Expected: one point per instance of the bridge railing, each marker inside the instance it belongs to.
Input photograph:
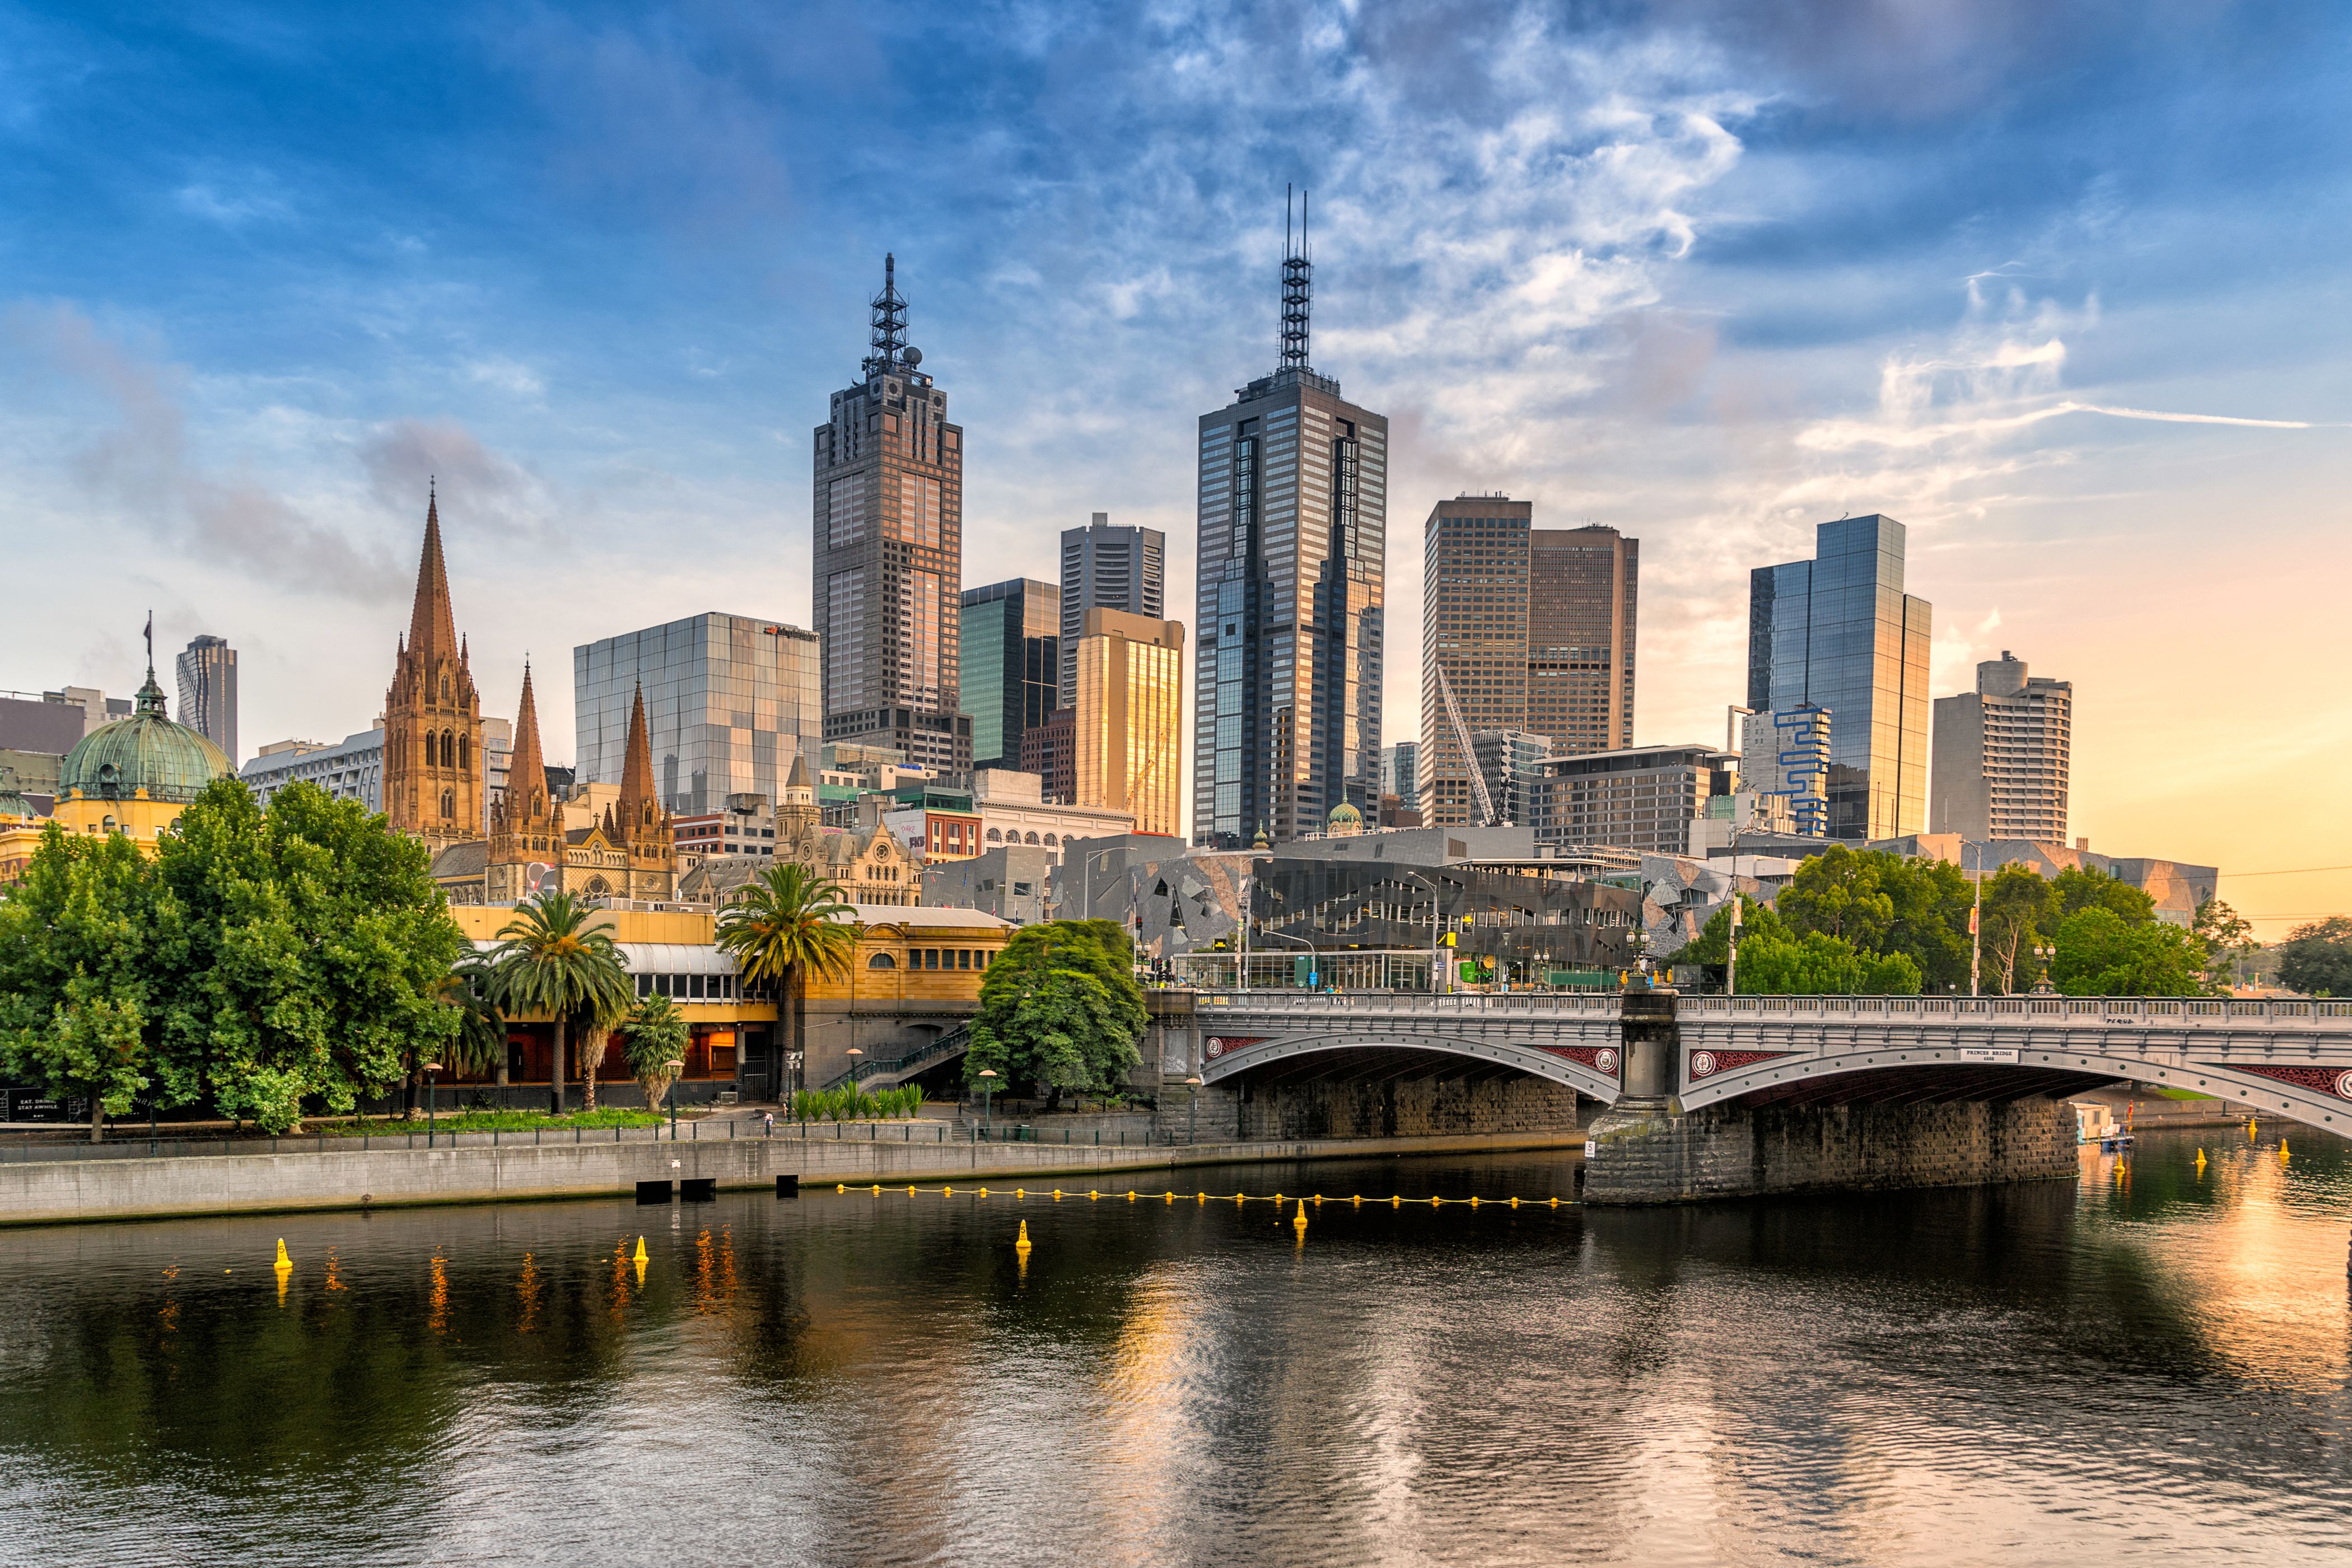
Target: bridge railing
(1419, 1003)
(2161, 1011)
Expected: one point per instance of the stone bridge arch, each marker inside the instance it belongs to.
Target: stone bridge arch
(1591, 1070)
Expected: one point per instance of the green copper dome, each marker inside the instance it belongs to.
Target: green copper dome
(147, 750)
(13, 806)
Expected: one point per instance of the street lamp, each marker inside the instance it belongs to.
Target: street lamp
(2043, 955)
(430, 1070)
(1193, 1122)
(987, 1099)
(1285, 936)
(674, 1068)
(1436, 900)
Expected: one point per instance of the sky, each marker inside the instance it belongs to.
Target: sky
(2060, 287)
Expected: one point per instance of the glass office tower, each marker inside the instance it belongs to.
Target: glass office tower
(730, 701)
(1011, 666)
(1840, 632)
(1292, 569)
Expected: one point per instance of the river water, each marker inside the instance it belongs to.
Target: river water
(2149, 1367)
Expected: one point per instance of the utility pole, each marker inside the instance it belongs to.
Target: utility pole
(1976, 920)
(1732, 969)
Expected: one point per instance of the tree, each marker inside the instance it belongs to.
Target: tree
(1776, 961)
(75, 1013)
(1837, 892)
(1882, 903)
(551, 960)
(1060, 1009)
(297, 956)
(2081, 888)
(784, 927)
(2020, 908)
(471, 991)
(652, 1037)
(2227, 935)
(2317, 958)
(2101, 953)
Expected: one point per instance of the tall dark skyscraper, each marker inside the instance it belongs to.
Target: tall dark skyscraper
(888, 530)
(1293, 554)
(1839, 632)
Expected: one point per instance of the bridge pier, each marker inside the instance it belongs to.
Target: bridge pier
(1647, 1149)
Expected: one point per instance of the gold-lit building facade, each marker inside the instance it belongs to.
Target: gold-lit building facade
(1127, 735)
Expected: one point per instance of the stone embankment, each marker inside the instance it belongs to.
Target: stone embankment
(65, 1192)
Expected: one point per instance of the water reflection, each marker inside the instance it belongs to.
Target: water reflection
(2147, 1365)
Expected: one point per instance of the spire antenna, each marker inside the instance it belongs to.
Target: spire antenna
(1297, 287)
(889, 321)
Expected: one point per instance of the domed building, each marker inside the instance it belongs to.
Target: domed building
(1345, 822)
(137, 774)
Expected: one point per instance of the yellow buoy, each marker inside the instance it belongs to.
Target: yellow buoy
(1171, 1196)
(1131, 1195)
(1021, 1192)
(1396, 1202)
(1300, 1222)
(1057, 1191)
(877, 1187)
(1555, 1201)
(840, 1187)
(283, 1261)
(1240, 1198)
(1021, 1243)
(949, 1191)
(1201, 1198)
(1514, 1203)
(910, 1191)
(1092, 1192)
(639, 1255)
(2282, 1154)
(1473, 1200)
(983, 1192)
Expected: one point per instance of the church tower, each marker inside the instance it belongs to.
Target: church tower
(527, 825)
(432, 785)
(796, 816)
(641, 824)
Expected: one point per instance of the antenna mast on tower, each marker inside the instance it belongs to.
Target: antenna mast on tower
(890, 321)
(1297, 285)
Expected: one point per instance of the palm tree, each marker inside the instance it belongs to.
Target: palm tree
(652, 1037)
(787, 924)
(471, 989)
(552, 961)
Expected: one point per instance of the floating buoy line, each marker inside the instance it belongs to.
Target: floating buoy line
(1168, 1195)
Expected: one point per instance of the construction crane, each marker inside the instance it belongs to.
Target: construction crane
(1487, 816)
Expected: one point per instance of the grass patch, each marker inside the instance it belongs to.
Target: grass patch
(492, 1122)
(2185, 1094)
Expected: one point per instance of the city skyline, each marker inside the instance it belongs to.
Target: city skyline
(1686, 356)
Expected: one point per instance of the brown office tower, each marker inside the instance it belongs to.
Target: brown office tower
(1534, 630)
(888, 532)
(432, 717)
(1581, 602)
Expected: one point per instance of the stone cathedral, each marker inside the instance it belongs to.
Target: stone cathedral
(436, 782)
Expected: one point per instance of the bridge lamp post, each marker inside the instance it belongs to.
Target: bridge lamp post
(1192, 1121)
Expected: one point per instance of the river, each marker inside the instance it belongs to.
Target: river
(2149, 1367)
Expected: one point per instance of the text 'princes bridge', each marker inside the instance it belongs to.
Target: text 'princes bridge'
(1718, 1096)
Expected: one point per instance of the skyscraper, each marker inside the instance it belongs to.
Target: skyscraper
(1292, 553)
(888, 534)
(730, 701)
(1534, 628)
(1128, 718)
(1839, 631)
(1011, 681)
(1582, 599)
(2002, 755)
(1107, 568)
(208, 691)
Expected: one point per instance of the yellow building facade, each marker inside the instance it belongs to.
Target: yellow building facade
(1128, 739)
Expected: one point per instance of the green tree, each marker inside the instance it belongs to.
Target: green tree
(1882, 903)
(552, 960)
(2081, 888)
(2227, 935)
(471, 991)
(1837, 893)
(75, 1010)
(2317, 958)
(1060, 1009)
(2101, 953)
(652, 1037)
(295, 955)
(1776, 961)
(2020, 910)
(784, 927)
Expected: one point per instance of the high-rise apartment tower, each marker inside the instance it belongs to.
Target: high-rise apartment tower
(1107, 568)
(888, 530)
(208, 692)
(2002, 753)
(1292, 570)
(1840, 632)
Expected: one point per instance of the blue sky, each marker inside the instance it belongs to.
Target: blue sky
(1709, 272)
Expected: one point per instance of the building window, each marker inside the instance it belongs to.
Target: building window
(882, 961)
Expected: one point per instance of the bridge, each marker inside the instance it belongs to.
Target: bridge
(1764, 1093)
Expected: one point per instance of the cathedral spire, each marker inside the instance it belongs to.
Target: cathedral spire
(432, 624)
(637, 768)
(527, 771)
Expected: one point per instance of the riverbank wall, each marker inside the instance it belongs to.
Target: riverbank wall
(69, 1191)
